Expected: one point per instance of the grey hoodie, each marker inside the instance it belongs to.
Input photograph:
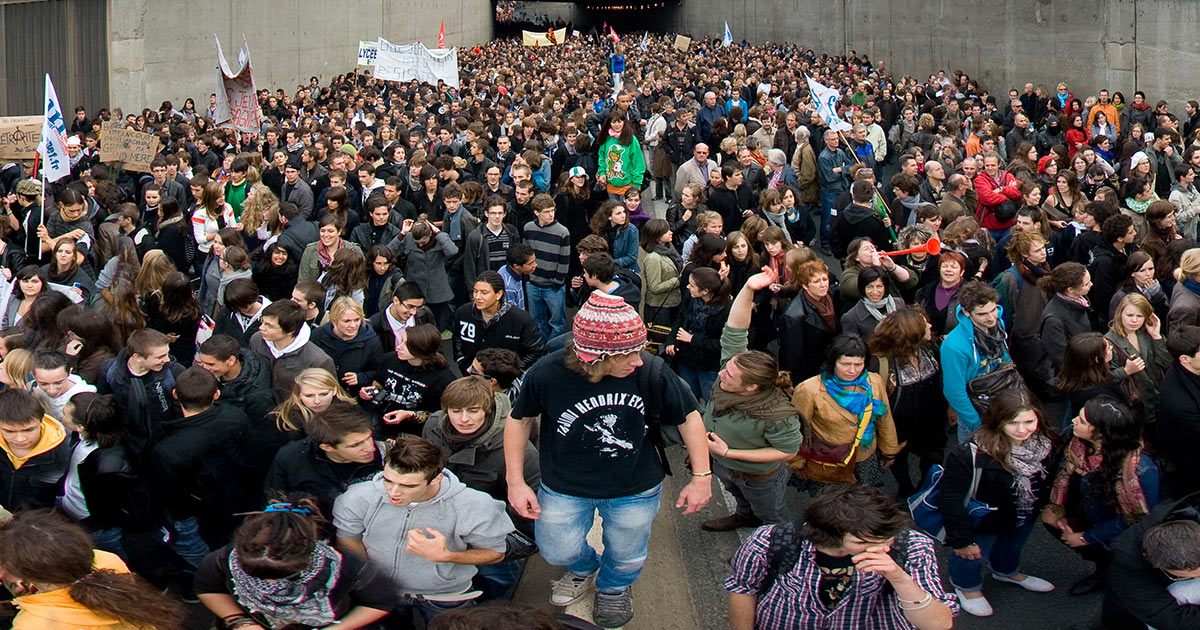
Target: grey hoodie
(468, 518)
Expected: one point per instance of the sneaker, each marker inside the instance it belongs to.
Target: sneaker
(1030, 583)
(571, 588)
(977, 606)
(613, 610)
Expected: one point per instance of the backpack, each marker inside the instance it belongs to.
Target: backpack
(660, 436)
(783, 552)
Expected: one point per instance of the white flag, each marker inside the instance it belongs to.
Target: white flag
(826, 100)
(56, 163)
(728, 39)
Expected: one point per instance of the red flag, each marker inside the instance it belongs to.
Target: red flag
(442, 35)
(612, 32)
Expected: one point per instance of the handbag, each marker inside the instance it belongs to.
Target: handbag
(983, 388)
(826, 452)
(924, 504)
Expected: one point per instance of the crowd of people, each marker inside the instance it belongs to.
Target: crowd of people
(355, 368)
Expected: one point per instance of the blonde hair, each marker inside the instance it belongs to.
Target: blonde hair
(316, 378)
(343, 304)
(156, 266)
(18, 365)
(1136, 300)
(255, 209)
(1189, 265)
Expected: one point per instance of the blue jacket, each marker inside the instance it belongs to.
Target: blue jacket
(962, 362)
(625, 248)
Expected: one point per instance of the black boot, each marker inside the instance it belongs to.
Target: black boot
(1091, 584)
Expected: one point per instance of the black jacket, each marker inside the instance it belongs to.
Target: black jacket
(302, 466)
(1177, 431)
(1061, 320)
(297, 235)
(190, 468)
(229, 325)
(857, 221)
(704, 350)
(38, 481)
(114, 492)
(730, 204)
(995, 489)
(803, 337)
(250, 390)
(509, 328)
(1137, 592)
(360, 355)
(1107, 269)
(145, 402)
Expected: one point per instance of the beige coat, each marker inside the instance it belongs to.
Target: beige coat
(825, 419)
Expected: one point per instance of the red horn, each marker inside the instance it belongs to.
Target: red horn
(933, 247)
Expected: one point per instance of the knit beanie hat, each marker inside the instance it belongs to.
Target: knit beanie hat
(607, 326)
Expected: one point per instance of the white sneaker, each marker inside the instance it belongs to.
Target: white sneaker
(1030, 583)
(571, 588)
(978, 606)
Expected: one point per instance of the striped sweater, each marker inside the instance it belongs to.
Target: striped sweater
(552, 247)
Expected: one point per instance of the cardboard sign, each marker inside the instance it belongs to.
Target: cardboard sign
(20, 136)
(134, 149)
(682, 42)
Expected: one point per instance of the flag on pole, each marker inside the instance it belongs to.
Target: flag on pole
(826, 100)
(442, 35)
(612, 32)
(728, 39)
(53, 148)
(645, 40)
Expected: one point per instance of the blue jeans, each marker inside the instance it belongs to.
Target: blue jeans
(1002, 552)
(110, 540)
(964, 432)
(701, 381)
(827, 199)
(184, 539)
(547, 307)
(429, 609)
(497, 580)
(561, 534)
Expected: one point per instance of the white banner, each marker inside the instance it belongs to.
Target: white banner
(366, 53)
(826, 99)
(56, 164)
(237, 100)
(405, 62)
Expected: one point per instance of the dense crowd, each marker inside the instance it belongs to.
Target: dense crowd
(230, 375)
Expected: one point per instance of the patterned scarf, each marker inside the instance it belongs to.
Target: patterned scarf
(1131, 501)
(1027, 460)
(302, 600)
(325, 254)
(1075, 299)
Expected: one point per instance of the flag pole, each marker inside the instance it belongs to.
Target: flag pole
(891, 228)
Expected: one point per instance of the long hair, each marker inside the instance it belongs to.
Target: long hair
(40, 546)
(1120, 434)
(762, 369)
(626, 135)
(99, 418)
(179, 304)
(425, 344)
(155, 267)
(1004, 408)
(1136, 300)
(1083, 365)
(276, 544)
(292, 408)
(347, 272)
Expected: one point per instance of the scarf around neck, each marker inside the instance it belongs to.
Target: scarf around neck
(992, 344)
(325, 254)
(769, 403)
(824, 308)
(1027, 460)
(881, 308)
(672, 255)
(303, 600)
(856, 400)
(1131, 501)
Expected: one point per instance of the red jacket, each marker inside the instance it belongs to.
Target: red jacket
(1075, 137)
(989, 199)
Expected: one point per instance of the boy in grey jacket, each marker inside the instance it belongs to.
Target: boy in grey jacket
(425, 528)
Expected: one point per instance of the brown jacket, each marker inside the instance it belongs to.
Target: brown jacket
(804, 162)
(828, 421)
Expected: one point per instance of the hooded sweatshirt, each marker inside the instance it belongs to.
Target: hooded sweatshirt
(469, 519)
(57, 610)
(32, 481)
(54, 404)
(287, 362)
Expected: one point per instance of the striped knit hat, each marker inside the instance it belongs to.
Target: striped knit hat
(607, 326)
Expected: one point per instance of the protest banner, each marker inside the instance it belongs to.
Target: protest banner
(405, 62)
(237, 100)
(537, 40)
(682, 42)
(133, 149)
(20, 136)
(366, 53)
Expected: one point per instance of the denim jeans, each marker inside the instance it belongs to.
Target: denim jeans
(964, 432)
(430, 609)
(827, 199)
(497, 580)
(110, 540)
(701, 381)
(1003, 552)
(548, 308)
(764, 499)
(561, 534)
(184, 539)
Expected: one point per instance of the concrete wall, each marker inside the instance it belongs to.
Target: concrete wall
(164, 49)
(1119, 44)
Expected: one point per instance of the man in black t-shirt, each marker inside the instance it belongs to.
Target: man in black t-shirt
(596, 454)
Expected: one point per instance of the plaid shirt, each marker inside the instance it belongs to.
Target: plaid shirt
(793, 601)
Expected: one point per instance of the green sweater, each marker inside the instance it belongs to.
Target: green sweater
(742, 432)
(623, 165)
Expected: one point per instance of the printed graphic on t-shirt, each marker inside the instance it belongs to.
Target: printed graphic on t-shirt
(600, 416)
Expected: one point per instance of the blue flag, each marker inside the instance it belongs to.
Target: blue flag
(728, 39)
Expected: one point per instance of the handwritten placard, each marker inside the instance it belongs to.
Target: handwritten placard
(134, 149)
(20, 136)
(682, 42)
